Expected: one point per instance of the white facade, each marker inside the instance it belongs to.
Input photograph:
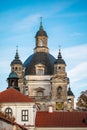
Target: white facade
(17, 112)
(36, 82)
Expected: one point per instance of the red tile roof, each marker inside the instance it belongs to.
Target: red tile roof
(12, 95)
(61, 119)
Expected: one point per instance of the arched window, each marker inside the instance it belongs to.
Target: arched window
(16, 68)
(59, 91)
(8, 111)
(41, 43)
(13, 83)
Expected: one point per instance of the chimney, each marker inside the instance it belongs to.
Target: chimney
(50, 108)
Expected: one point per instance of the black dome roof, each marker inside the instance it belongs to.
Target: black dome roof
(69, 92)
(16, 60)
(60, 60)
(41, 31)
(39, 58)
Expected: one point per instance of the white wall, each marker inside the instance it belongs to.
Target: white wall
(36, 81)
(17, 108)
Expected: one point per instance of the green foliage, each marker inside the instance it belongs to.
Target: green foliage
(82, 101)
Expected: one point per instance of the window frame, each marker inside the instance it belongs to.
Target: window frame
(40, 93)
(39, 69)
(8, 111)
(24, 115)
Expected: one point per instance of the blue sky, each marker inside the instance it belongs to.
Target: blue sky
(65, 22)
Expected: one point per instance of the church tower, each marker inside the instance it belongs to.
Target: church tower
(60, 82)
(17, 66)
(39, 68)
(46, 78)
(70, 98)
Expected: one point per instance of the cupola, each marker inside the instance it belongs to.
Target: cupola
(59, 64)
(70, 98)
(16, 60)
(69, 92)
(59, 60)
(13, 80)
(41, 31)
(41, 40)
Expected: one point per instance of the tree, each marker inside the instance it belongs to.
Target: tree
(82, 101)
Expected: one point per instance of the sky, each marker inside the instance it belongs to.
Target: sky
(65, 22)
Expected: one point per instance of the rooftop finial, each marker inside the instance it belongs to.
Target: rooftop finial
(41, 27)
(59, 55)
(59, 48)
(17, 49)
(16, 56)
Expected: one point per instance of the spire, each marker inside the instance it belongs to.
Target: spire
(17, 56)
(59, 59)
(41, 26)
(59, 55)
(41, 31)
(16, 59)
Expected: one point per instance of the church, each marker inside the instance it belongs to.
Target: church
(42, 77)
(38, 96)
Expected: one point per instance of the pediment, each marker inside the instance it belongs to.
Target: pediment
(39, 89)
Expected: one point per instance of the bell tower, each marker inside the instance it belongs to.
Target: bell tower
(17, 66)
(41, 40)
(13, 81)
(60, 82)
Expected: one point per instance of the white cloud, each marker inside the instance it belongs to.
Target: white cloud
(76, 34)
(78, 73)
(76, 14)
(26, 22)
(77, 54)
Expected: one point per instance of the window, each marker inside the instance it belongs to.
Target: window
(40, 71)
(41, 43)
(59, 91)
(8, 111)
(24, 115)
(13, 83)
(59, 67)
(39, 93)
(16, 68)
(69, 100)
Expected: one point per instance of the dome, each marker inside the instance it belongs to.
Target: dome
(41, 31)
(39, 58)
(60, 60)
(69, 92)
(16, 60)
(13, 75)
